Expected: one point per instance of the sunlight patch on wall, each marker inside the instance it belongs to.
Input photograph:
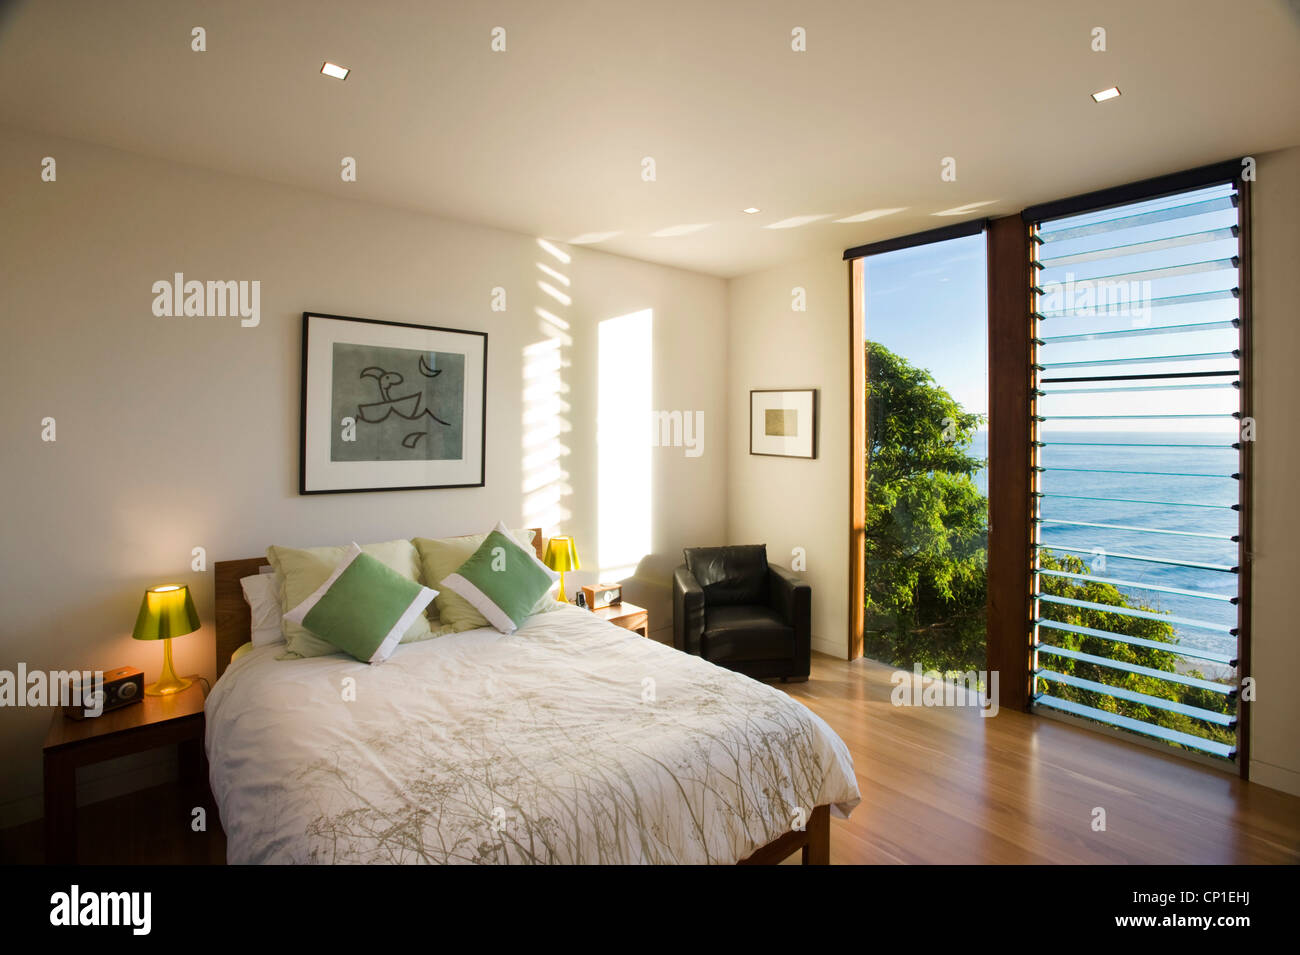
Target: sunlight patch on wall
(546, 409)
(555, 251)
(624, 398)
(551, 318)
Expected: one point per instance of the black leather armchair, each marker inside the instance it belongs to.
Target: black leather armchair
(733, 608)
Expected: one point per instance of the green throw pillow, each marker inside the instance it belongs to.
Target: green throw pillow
(302, 571)
(364, 607)
(442, 557)
(502, 580)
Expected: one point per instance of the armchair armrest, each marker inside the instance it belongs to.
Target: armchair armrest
(688, 611)
(791, 598)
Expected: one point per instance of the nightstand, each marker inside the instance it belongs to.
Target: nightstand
(628, 616)
(70, 744)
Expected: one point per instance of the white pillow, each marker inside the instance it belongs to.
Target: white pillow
(263, 596)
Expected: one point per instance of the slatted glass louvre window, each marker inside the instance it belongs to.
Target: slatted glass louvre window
(1137, 488)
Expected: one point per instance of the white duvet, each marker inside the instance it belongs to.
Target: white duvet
(570, 741)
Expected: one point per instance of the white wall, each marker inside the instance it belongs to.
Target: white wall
(791, 502)
(1275, 648)
(174, 433)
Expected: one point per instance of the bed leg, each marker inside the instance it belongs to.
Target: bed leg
(817, 851)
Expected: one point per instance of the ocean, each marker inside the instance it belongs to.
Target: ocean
(1185, 485)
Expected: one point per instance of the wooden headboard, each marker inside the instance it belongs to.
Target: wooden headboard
(234, 622)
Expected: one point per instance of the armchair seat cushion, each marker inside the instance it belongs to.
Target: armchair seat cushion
(745, 632)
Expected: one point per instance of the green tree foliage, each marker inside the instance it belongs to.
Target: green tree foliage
(926, 521)
(926, 560)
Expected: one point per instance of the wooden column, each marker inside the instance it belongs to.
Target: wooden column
(1010, 434)
(857, 459)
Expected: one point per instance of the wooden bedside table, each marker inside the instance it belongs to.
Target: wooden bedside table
(628, 616)
(70, 744)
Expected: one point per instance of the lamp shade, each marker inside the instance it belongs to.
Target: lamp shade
(166, 612)
(562, 555)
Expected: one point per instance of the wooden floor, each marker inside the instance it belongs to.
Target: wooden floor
(939, 785)
(943, 785)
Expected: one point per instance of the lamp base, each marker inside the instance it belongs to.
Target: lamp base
(561, 596)
(169, 682)
(167, 687)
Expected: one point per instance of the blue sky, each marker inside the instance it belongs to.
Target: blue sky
(928, 304)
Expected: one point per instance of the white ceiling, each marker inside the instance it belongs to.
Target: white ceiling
(547, 138)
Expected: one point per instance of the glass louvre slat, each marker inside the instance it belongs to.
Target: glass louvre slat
(1194, 653)
(1126, 417)
(1135, 530)
(1209, 686)
(1191, 474)
(1132, 696)
(1161, 376)
(1136, 726)
(1130, 500)
(1049, 235)
(1150, 359)
(1157, 245)
(1137, 584)
(1118, 308)
(1146, 558)
(1187, 329)
(1121, 389)
(1110, 444)
(1169, 271)
(1130, 612)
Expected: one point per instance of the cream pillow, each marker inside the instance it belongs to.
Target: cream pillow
(442, 557)
(302, 571)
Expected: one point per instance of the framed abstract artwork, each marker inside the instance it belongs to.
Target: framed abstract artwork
(388, 406)
(783, 423)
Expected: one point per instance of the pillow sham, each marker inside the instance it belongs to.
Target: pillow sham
(262, 592)
(303, 570)
(363, 607)
(503, 580)
(441, 557)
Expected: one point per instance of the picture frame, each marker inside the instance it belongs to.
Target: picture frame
(390, 406)
(783, 422)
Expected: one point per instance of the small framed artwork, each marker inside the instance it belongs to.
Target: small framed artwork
(388, 406)
(783, 423)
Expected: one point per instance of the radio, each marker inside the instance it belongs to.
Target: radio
(605, 595)
(122, 687)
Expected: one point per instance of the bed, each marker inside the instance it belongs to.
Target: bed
(569, 741)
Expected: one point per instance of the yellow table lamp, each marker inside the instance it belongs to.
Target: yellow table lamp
(562, 555)
(166, 612)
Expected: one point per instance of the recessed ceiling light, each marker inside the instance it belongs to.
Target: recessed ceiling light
(336, 71)
(1102, 95)
(750, 211)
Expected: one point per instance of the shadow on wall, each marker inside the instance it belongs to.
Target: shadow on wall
(650, 586)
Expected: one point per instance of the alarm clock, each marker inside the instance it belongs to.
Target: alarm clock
(602, 596)
(122, 687)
